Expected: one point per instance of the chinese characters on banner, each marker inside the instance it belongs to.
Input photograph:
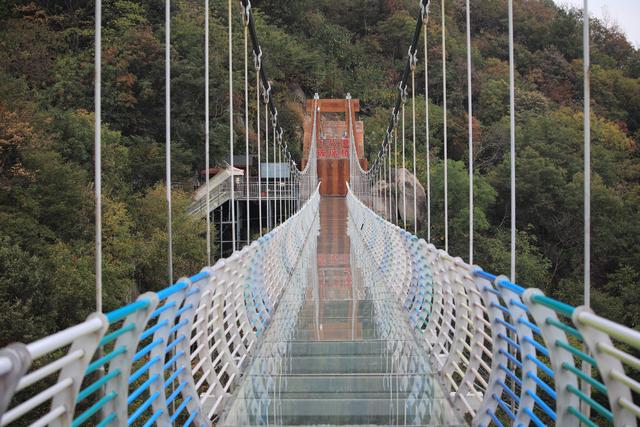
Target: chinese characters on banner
(333, 148)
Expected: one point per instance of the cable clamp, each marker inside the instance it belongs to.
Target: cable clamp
(257, 59)
(274, 119)
(246, 11)
(404, 93)
(413, 58)
(266, 92)
(424, 10)
(396, 117)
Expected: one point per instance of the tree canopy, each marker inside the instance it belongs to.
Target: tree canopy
(327, 46)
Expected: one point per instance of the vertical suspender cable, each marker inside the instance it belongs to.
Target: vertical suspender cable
(587, 155)
(389, 180)
(586, 367)
(415, 179)
(512, 127)
(445, 143)
(98, 150)
(168, 142)
(206, 125)
(266, 150)
(512, 145)
(258, 61)
(275, 187)
(470, 119)
(280, 181)
(384, 179)
(404, 174)
(98, 163)
(233, 198)
(167, 40)
(426, 124)
(395, 175)
(246, 118)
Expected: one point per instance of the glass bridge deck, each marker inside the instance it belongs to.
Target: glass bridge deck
(334, 366)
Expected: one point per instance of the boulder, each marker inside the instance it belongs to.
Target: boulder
(404, 180)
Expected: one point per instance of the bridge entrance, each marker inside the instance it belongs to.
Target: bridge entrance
(332, 138)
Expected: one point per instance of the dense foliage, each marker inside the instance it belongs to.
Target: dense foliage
(330, 47)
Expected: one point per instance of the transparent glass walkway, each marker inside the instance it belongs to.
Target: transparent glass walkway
(324, 359)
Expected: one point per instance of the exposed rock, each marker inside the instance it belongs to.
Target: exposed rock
(404, 180)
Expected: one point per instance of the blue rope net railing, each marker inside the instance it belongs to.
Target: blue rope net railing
(505, 354)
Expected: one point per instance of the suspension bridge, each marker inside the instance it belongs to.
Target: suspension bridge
(336, 314)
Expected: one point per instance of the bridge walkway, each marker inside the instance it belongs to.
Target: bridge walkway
(337, 368)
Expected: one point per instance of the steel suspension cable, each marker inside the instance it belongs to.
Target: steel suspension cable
(426, 124)
(445, 142)
(275, 189)
(389, 181)
(267, 95)
(233, 199)
(384, 179)
(414, 62)
(586, 367)
(587, 153)
(206, 127)
(257, 61)
(245, 19)
(512, 145)
(512, 149)
(168, 147)
(98, 151)
(470, 123)
(280, 181)
(395, 141)
(167, 67)
(404, 173)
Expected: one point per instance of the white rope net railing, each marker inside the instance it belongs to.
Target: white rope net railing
(506, 355)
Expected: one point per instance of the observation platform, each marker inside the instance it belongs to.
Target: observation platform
(338, 367)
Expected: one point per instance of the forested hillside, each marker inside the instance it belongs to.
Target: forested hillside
(325, 46)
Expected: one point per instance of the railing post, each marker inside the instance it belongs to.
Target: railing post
(15, 362)
(122, 364)
(499, 360)
(609, 367)
(559, 357)
(527, 351)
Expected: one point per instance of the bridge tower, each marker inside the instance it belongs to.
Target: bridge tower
(332, 138)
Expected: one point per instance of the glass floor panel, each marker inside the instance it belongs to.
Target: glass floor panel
(333, 366)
